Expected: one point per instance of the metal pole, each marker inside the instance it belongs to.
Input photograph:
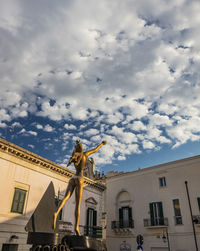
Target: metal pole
(168, 239)
(194, 232)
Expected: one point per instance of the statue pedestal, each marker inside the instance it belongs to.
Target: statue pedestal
(60, 242)
(83, 243)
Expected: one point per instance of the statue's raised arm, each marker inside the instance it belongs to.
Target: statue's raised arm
(88, 153)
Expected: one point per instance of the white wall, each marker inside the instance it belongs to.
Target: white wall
(143, 187)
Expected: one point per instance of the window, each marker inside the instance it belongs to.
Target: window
(198, 200)
(156, 214)
(91, 217)
(162, 182)
(10, 247)
(125, 217)
(18, 201)
(90, 229)
(177, 212)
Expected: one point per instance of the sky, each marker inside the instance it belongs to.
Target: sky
(123, 71)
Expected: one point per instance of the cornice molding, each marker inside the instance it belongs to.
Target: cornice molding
(25, 155)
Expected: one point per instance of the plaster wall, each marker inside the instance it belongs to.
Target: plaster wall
(143, 188)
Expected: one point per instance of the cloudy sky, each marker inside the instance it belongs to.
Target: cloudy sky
(123, 71)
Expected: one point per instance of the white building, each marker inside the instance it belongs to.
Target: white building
(24, 177)
(153, 202)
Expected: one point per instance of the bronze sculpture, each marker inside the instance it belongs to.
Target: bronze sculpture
(76, 182)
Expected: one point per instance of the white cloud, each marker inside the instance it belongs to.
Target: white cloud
(121, 157)
(3, 125)
(91, 132)
(16, 124)
(31, 146)
(133, 68)
(39, 126)
(126, 137)
(4, 116)
(48, 128)
(70, 127)
(137, 126)
(148, 144)
(27, 133)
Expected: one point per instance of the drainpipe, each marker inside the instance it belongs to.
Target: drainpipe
(194, 232)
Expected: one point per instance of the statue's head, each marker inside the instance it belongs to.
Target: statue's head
(78, 147)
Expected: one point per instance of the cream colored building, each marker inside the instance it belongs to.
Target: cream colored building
(24, 177)
(153, 202)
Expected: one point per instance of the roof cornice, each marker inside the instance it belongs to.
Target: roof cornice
(25, 155)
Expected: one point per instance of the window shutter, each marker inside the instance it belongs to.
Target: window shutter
(130, 213)
(120, 217)
(160, 210)
(94, 217)
(88, 217)
(130, 217)
(198, 199)
(151, 214)
(120, 214)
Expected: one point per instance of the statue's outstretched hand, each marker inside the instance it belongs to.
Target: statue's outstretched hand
(104, 142)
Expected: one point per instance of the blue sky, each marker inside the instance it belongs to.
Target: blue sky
(122, 71)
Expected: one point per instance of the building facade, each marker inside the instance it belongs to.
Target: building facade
(155, 203)
(24, 177)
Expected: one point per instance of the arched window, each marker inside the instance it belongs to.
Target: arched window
(124, 208)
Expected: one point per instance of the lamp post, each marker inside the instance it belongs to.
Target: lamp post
(165, 237)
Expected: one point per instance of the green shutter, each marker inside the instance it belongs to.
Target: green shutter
(198, 199)
(94, 217)
(18, 201)
(120, 217)
(88, 217)
(130, 217)
(160, 210)
(151, 213)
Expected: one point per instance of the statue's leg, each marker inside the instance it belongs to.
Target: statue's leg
(78, 197)
(68, 194)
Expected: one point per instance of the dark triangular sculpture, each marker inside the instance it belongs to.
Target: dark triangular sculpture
(42, 218)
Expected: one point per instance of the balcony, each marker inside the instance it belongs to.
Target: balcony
(95, 231)
(122, 224)
(156, 223)
(196, 219)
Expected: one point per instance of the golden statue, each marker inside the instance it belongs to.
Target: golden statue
(76, 182)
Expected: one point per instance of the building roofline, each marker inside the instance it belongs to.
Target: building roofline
(37, 160)
(170, 164)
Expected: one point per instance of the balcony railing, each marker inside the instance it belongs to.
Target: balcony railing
(156, 222)
(178, 220)
(122, 224)
(95, 231)
(196, 219)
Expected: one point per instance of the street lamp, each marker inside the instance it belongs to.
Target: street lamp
(165, 238)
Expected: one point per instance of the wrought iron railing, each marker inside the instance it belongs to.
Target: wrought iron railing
(122, 224)
(95, 231)
(155, 222)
